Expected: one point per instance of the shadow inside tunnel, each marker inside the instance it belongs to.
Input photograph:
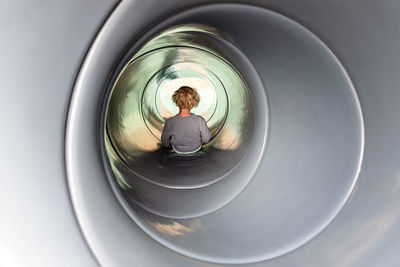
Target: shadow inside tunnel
(167, 168)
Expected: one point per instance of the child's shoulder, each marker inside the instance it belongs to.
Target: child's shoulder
(200, 119)
(197, 117)
(169, 120)
(192, 117)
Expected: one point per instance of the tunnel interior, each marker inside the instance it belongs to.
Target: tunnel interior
(293, 154)
(141, 100)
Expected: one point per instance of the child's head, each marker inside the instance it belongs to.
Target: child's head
(186, 97)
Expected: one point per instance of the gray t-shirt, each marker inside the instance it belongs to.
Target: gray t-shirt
(185, 134)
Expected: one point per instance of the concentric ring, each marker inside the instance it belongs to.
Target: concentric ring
(304, 178)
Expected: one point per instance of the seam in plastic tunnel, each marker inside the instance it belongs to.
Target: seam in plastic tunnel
(238, 201)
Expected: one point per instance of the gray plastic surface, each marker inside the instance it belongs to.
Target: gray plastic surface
(39, 229)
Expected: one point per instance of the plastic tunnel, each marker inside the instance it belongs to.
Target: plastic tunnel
(301, 99)
(287, 134)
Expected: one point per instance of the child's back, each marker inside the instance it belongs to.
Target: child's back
(185, 134)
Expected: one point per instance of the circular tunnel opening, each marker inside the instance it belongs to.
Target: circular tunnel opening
(298, 186)
(140, 101)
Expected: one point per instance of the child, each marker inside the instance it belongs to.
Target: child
(185, 132)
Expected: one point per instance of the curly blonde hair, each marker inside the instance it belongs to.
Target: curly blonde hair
(186, 97)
